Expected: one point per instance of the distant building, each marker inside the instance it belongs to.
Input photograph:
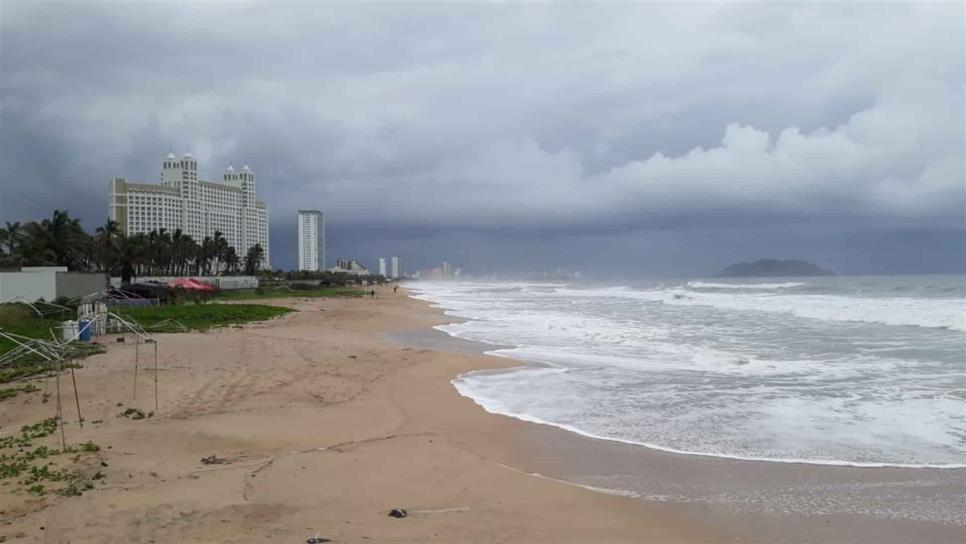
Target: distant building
(382, 266)
(443, 272)
(396, 271)
(197, 207)
(349, 266)
(311, 240)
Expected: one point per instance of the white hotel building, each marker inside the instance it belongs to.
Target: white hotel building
(197, 207)
(311, 240)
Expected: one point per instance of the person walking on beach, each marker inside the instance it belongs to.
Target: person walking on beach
(373, 293)
(395, 288)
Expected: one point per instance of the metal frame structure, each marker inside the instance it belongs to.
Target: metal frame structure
(57, 352)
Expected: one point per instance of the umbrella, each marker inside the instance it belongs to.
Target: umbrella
(190, 284)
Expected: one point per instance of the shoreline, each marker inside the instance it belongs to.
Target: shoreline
(575, 430)
(885, 525)
(492, 350)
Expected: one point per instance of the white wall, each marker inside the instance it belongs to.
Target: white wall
(29, 286)
(78, 284)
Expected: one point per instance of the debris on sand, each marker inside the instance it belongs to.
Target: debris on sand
(398, 513)
(213, 460)
(317, 540)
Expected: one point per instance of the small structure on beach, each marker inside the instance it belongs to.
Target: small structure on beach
(47, 283)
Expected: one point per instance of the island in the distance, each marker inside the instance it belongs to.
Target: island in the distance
(773, 268)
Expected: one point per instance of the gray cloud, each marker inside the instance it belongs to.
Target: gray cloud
(556, 120)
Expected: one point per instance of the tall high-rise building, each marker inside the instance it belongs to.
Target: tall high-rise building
(396, 270)
(311, 240)
(382, 266)
(196, 207)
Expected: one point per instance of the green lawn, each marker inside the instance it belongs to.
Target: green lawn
(269, 292)
(200, 316)
(20, 319)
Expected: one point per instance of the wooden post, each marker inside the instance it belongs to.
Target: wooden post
(80, 418)
(155, 342)
(137, 353)
(60, 411)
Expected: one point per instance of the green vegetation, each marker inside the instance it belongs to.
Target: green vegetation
(282, 292)
(7, 393)
(19, 458)
(23, 371)
(325, 278)
(200, 316)
(60, 240)
(20, 319)
(134, 413)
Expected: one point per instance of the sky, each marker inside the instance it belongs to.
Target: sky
(613, 138)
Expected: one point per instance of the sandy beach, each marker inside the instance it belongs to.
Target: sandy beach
(323, 420)
(321, 423)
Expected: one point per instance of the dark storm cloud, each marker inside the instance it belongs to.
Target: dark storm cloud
(620, 123)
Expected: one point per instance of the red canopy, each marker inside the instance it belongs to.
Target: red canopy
(191, 285)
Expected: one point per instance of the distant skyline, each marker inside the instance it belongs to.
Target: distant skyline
(617, 139)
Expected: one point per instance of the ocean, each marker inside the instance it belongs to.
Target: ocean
(856, 371)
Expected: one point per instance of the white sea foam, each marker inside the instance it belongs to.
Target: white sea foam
(930, 313)
(494, 406)
(733, 381)
(941, 313)
(745, 286)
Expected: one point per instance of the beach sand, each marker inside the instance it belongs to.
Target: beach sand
(325, 422)
(327, 418)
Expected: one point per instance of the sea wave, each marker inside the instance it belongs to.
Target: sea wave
(494, 406)
(899, 311)
(935, 313)
(655, 368)
(745, 286)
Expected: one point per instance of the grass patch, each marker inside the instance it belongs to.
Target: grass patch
(9, 393)
(24, 370)
(134, 413)
(200, 316)
(20, 459)
(285, 292)
(20, 319)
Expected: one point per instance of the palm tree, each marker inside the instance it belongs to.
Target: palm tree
(56, 241)
(163, 252)
(179, 252)
(253, 259)
(131, 252)
(105, 246)
(206, 255)
(11, 236)
(231, 259)
(189, 253)
(219, 247)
